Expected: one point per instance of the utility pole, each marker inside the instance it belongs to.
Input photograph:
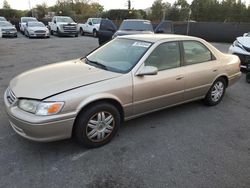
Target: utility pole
(188, 24)
(129, 4)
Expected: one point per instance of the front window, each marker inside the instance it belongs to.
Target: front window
(96, 21)
(65, 19)
(136, 26)
(165, 56)
(5, 24)
(119, 55)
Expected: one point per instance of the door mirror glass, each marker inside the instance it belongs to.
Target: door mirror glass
(148, 70)
(54, 21)
(90, 23)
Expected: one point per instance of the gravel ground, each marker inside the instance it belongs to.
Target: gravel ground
(186, 146)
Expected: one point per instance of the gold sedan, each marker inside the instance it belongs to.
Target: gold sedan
(128, 77)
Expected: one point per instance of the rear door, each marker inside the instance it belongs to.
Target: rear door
(200, 69)
(165, 27)
(106, 31)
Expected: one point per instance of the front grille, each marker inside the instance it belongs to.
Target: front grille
(40, 31)
(69, 28)
(11, 97)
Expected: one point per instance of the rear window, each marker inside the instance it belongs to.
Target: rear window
(136, 25)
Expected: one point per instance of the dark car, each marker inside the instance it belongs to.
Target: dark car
(108, 29)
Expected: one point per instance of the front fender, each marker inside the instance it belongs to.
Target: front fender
(95, 98)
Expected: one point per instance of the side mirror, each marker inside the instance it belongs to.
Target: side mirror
(245, 34)
(147, 71)
(90, 23)
(54, 21)
(159, 31)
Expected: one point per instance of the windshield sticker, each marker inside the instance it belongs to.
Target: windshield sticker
(142, 44)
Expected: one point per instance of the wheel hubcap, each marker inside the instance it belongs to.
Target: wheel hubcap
(217, 91)
(100, 126)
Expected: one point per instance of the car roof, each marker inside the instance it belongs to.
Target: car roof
(157, 37)
(137, 20)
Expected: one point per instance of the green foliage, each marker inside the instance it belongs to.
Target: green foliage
(42, 10)
(121, 14)
(158, 10)
(6, 5)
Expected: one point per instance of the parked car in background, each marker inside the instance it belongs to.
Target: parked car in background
(23, 22)
(0, 33)
(241, 48)
(90, 27)
(128, 77)
(108, 29)
(134, 26)
(8, 30)
(36, 29)
(63, 25)
(2, 18)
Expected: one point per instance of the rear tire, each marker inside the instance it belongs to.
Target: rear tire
(216, 92)
(51, 32)
(97, 125)
(248, 77)
(81, 32)
(94, 33)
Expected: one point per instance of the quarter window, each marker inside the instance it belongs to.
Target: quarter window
(165, 56)
(195, 52)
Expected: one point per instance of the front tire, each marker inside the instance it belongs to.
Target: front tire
(97, 125)
(216, 92)
(81, 32)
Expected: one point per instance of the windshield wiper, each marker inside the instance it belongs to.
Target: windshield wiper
(95, 63)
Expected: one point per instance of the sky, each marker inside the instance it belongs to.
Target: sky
(108, 4)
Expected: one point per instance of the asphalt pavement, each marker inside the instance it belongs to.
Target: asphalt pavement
(189, 146)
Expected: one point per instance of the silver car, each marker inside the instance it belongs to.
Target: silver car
(8, 30)
(36, 29)
(128, 77)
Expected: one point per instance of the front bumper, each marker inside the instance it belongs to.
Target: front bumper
(243, 55)
(35, 35)
(37, 130)
(67, 33)
(9, 34)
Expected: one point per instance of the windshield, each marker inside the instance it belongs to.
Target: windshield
(28, 19)
(2, 19)
(36, 24)
(96, 21)
(136, 26)
(5, 24)
(119, 55)
(65, 19)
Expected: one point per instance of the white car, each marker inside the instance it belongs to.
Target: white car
(1, 33)
(23, 23)
(241, 48)
(36, 29)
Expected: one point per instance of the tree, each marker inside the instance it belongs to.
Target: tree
(158, 10)
(6, 5)
(42, 10)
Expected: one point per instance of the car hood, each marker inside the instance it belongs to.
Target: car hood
(124, 32)
(7, 27)
(37, 28)
(245, 41)
(49, 80)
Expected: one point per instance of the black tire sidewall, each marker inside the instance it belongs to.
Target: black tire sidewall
(83, 118)
(208, 98)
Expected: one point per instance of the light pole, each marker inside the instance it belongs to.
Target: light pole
(188, 24)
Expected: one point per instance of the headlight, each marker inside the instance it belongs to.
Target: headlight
(40, 108)
(237, 43)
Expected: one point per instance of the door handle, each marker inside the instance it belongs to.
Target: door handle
(179, 78)
(215, 70)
